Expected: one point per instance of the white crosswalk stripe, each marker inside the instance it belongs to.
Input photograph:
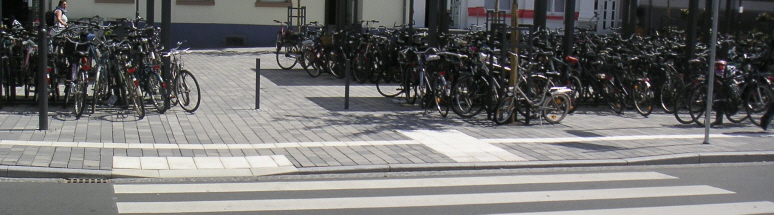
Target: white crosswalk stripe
(384, 184)
(143, 206)
(707, 209)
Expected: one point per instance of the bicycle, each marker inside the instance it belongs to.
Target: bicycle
(185, 89)
(552, 102)
(288, 47)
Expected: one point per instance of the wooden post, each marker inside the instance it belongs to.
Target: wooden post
(298, 16)
(514, 76)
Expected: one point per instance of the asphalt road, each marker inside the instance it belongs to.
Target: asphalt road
(680, 189)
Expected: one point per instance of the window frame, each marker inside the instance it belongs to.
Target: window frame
(195, 2)
(286, 3)
(115, 1)
(551, 9)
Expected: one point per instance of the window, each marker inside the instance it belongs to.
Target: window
(555, 7)
(113, 1)
(195, 2)
(505, 5)
(273, 3)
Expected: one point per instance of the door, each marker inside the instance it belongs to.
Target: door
(608, 11)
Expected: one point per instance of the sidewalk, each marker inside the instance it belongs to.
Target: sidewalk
(303, 128)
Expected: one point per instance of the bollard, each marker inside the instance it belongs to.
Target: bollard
(257, 83)
(348, 79)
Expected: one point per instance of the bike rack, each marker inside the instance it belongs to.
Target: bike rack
(300, 16)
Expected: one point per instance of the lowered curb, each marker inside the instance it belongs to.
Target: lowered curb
(687, 158)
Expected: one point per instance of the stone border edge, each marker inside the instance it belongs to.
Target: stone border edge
(687, 158)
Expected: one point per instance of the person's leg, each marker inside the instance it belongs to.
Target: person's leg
(766, 118)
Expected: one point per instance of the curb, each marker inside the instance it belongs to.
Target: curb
(687, 158)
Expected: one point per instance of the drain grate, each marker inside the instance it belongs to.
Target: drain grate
(86, 181)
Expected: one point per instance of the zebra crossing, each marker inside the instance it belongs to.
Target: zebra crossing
(365, 195)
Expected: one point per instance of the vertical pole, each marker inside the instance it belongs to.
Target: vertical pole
(136, 9)
(433, 11)
(411, 17)
(541, 8)
(710, 87)
(693, 10)
(150, 13)
(403, 17)
(707, 22)
(257, 83)
(166, 37)
(42, 60)
(569, 27)
(347, 80)
(514, 76)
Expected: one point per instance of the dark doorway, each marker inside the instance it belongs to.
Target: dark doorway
(15, 8)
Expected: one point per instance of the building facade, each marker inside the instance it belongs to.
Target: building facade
(249, 23)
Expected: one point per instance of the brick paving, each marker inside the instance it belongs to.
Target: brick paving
(297, 109)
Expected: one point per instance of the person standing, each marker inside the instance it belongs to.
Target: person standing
(60, 15)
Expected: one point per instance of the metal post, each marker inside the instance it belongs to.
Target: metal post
(257, 83)
(693, 10)
(42, 59)
(136, 9)
(166, 37)
(541, 7)
(707, 22)
(432, 21)
(150, 12)
(710, 87)
(569, 27)
(411, 17)
(347, 80)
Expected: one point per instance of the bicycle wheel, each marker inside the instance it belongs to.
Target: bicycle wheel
(287, 56)
(669, 91)
(188, 91)
(389, 88)
(425, 90)
(362, 70)
(734, 107)
(681, 110)
(132, 94)
(698, 104)
(613, 96)
(336, 63)
(576, 93)
(505, 108)
(441, 95)
(310, 66)
(466, 99)
(643, 98)
(556, 108)
(79, 93)
(757, 100)
(155, 90)
(409, 84)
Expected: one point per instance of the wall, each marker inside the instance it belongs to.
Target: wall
(387, 12)
(207, 26)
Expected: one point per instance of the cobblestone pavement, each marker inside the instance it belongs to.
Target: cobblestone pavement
(302, 126)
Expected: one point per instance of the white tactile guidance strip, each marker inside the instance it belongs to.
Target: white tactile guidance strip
(176, 167)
